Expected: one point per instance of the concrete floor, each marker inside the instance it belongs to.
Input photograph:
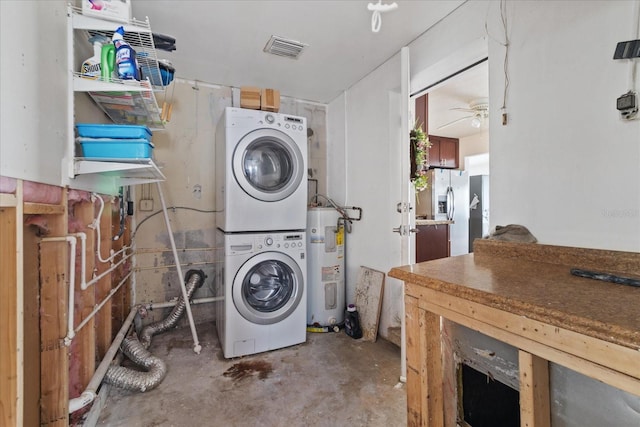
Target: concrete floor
(331, 380)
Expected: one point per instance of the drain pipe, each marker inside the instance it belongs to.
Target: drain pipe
(83, 258)
(89, 394)
(109, 270)
(97, 308)
(72, 280)
(95, 225)
(205, 300)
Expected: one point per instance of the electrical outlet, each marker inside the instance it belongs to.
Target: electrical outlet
(146, 205)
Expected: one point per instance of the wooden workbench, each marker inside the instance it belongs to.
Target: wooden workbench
(525, 296)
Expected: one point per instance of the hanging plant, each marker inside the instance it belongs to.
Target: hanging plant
(419, 157)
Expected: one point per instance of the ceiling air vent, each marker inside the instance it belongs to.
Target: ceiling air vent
(284, 47)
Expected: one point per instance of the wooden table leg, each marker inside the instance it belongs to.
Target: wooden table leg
(424, 367)
(534, 390)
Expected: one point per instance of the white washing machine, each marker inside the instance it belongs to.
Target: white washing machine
(261, 171)
(263, 289)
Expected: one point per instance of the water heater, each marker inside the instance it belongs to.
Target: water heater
(325, 268)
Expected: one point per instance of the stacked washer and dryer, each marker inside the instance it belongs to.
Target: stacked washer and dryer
(261, 204)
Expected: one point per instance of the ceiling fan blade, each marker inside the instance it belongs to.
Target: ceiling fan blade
(467, 110)
(455, 121)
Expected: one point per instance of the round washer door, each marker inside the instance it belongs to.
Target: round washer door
(268, 165)
(268, 288)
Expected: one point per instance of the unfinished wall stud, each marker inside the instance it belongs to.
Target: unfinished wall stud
(534, 391)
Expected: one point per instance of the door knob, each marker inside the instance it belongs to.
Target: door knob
(403, 230)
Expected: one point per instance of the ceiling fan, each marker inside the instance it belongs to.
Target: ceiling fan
(478, 112)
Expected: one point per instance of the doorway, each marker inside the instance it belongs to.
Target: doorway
(454, 112)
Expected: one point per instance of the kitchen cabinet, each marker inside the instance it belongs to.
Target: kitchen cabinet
(432, 242)
(123, 101)
(443, 152)
(422, 112)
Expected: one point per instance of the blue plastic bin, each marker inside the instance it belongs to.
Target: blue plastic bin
(105, 148)
(89, 130)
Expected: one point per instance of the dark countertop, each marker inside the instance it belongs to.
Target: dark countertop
(534, 280)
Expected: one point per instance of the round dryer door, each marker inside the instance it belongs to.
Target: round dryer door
(268, 288)
(268, 165)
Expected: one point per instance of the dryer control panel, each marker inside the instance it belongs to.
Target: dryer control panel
(245, 118)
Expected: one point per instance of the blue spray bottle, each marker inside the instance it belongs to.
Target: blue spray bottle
(126, 63)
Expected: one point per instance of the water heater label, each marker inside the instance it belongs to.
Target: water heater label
(331, 273)
(340, 237)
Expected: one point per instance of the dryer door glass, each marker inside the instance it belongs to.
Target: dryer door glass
(268, 288)
(268, 165)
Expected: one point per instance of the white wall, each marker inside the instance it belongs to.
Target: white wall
(367, 116)
(472, 146)
(336, 152)
(33, 84)
(566, 166)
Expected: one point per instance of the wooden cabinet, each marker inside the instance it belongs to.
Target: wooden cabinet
(422, 112)
(432, 242)
(443, 152)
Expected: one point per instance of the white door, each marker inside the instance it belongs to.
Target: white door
(377, 179)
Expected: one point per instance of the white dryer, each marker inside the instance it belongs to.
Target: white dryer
(262, 287)
(261, 171)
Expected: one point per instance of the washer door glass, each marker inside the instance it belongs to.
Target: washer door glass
(267, 288)
(268, 165)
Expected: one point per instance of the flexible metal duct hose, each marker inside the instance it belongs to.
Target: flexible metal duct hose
(195, 278)
(131, 379)
(136, 351)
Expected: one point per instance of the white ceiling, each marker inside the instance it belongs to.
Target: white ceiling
(221, 42)
(458, 92)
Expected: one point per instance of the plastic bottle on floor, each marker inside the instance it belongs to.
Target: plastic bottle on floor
(352, 322)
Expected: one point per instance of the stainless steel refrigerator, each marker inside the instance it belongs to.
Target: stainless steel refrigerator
(449, 191)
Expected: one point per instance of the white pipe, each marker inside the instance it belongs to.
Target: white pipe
(103, 302)
(83, 258)
(89, 394)
(196, 344)
(96, 226)
(205, 300)
(72, 279)
(104, 273)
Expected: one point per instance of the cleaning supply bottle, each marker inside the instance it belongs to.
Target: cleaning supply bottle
(91, 68)
(352, 322)
(126, 63)
(107, 61)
